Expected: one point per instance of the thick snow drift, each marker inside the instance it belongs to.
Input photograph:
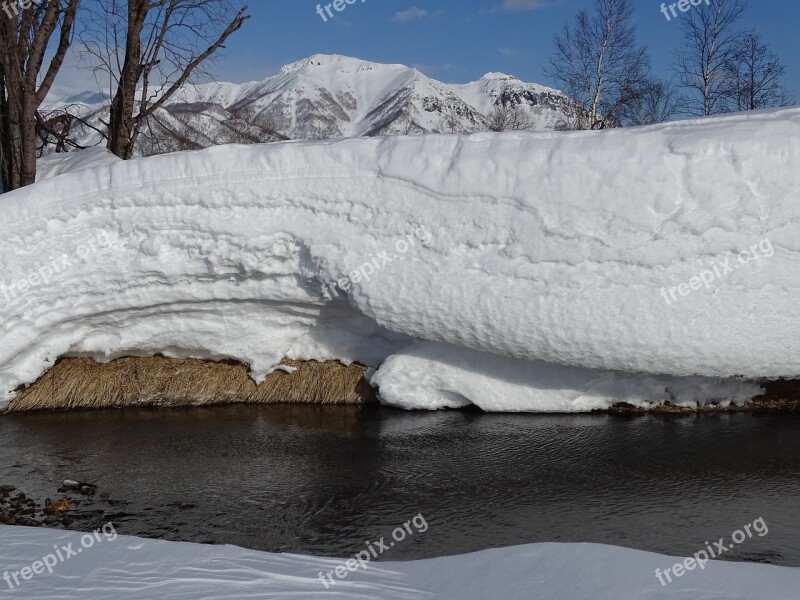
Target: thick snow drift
(54, 164)
(582, 249)
(127, 567)
(431, 375)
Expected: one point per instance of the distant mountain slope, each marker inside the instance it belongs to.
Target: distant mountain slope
(326, 96)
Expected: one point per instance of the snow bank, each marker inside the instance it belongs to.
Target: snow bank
(560, 248)
(431, 375)
(138, 569)
(54, 164)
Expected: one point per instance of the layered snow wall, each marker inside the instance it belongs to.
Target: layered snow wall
(550, 271)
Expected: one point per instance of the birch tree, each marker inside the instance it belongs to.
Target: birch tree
(756, 74)
(598, 62)
(710, 43)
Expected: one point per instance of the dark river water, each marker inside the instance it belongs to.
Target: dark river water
(324, 480)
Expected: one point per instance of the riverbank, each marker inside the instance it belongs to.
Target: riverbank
(781, 396)
(83, 383)
(122, 567)
(77, 505)
(518, 272)
(162, 381)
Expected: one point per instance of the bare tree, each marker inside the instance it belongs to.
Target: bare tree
(507, 116)
(405, 126)
(710, 42)
(756, 73)
(147, 49)
(160, 137)
(267, 125)
(449, 123)
(658, 103)
(317, 128)
(599, 63)
(26, 31)
(247, 129)
(55, 128)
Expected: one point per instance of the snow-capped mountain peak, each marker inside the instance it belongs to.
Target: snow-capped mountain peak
(344, 64)
(330, 95)
(499, 76)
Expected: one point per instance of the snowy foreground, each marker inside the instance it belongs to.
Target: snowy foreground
(139, 569)
(549, 272)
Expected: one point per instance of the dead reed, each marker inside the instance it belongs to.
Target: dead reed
(161, 381)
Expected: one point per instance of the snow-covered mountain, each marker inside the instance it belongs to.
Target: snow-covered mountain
(331, 96)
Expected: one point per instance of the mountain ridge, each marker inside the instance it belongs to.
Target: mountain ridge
(325, 96)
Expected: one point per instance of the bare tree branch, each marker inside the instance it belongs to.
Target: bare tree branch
(710, 42)
(755, 74)
(599, 63)
(166, 42)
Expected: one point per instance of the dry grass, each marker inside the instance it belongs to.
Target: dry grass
(161, 381)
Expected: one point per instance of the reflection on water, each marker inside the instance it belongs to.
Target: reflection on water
(323, 480)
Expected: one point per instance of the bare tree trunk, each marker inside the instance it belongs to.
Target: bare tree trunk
(25, 34)
(12, 118)
(28, 143)
(6, 147)
(153, 50)
(121, 124)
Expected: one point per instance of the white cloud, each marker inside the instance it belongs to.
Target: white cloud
(520, 5)
(410, 14)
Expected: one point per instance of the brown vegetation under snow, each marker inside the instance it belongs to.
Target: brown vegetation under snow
(161, 381)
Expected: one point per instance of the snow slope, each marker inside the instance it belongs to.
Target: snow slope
(547, 108)
(142, 569)
(54, 164)
(545, 247)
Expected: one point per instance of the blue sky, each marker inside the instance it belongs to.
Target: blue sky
(458, 41)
